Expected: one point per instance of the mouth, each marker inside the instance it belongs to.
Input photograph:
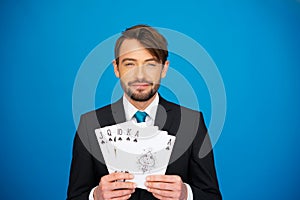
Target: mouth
(140, 86)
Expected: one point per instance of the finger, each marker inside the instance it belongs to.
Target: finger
(117, 176)
(163, 186)
(122, 198)
(164, 178)
(162, 197)
(109, 186)
(118, 194)
(122, 185)
(164, 193)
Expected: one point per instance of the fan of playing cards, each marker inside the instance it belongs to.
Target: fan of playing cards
(134, 148)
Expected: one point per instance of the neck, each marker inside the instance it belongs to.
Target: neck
(141, 105)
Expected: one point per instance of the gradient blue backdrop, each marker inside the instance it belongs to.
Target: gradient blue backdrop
(255, 45)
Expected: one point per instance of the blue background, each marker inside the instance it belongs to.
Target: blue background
(255, 45)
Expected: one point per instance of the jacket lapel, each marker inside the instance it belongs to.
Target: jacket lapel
(166, 116)
(118, 113)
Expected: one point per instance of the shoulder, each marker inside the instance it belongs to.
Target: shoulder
(105, 110)
(105, 115)
(168, 105)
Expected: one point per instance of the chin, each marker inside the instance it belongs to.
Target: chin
(139, 96)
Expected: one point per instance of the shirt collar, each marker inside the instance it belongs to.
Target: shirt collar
(130, 110)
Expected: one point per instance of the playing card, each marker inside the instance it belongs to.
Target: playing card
(136, 149)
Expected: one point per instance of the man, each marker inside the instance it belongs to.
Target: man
(140, 63)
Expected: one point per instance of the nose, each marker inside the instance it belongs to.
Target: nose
(140, 72)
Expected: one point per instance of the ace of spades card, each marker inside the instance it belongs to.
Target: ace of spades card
(141, 151)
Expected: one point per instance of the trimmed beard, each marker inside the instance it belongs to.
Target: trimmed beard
(136, 96)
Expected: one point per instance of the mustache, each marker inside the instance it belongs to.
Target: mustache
(140, 81)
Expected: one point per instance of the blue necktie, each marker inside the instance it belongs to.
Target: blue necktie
(140, 116)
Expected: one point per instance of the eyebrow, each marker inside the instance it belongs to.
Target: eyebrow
(128, 59)
(132, 59)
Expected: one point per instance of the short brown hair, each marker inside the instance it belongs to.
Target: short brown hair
(149, 37)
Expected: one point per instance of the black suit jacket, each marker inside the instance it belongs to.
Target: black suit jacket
(187, 125)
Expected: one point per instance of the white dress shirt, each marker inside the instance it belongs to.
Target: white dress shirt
(151, 110)
(130, 111)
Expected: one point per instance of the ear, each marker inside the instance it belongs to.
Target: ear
(165, 69)
(116, 69)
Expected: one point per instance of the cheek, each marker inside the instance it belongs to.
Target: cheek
(126, 74)
(154, 76)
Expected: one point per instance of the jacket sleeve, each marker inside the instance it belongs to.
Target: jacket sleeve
(202, 173)
(82, 177)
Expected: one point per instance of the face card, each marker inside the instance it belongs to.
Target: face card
(138, 150)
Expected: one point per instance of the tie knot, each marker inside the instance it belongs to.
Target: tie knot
(140, 116)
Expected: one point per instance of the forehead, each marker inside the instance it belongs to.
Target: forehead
(132, 47)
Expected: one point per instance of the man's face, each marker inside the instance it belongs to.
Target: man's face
(139, 71)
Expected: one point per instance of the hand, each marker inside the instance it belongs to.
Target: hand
(166, 187)
(113, 186)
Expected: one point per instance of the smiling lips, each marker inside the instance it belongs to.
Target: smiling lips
(140, 85)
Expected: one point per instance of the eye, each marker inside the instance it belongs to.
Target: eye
(129, 64)
(152, 64)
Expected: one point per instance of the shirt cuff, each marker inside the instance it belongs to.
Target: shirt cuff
(91, 196)
(189, 192)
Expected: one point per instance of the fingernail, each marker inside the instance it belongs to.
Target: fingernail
(148, 178)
